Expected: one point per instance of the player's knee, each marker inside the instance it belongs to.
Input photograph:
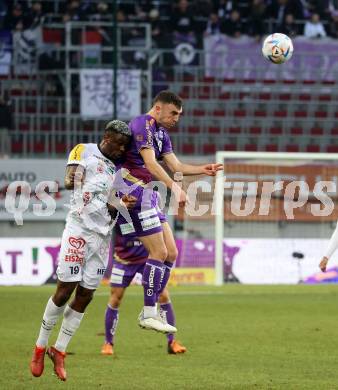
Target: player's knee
(115, 300)
(160, 253)
(62, 296)
(84, 295)
(172, 255)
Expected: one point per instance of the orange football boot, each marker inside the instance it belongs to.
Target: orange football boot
(38, 361)
(58, 358)
(107, 349)
(175, 347)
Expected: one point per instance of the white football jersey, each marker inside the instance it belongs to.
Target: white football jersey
(88, 204)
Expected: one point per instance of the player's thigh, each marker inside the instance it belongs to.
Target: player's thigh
(96, 261)
(73, 252)
(155, 245)
(123, 274)
(145, 217)
(170, 243)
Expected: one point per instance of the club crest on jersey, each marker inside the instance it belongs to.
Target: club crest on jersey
(87, 196)
(77, 243)
(100, 168)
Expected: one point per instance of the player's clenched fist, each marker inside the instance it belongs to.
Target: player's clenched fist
(323, 264)
(212, 169)
(129, 201)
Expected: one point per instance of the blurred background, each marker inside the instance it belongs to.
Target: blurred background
(66, 67)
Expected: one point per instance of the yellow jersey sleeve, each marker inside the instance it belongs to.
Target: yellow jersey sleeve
(77, 155)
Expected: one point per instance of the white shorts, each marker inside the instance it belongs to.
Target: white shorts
(83, 256)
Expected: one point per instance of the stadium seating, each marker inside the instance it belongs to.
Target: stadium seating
(237, 112)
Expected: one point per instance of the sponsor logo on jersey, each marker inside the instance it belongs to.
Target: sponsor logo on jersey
(101, 271)
(74, 259)
(77, 243)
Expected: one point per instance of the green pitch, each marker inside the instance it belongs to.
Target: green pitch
(238, 337)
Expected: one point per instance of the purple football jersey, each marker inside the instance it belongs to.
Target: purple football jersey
(146, 133)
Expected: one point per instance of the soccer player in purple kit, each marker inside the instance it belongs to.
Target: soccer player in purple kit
(150, 143)
(130, 257)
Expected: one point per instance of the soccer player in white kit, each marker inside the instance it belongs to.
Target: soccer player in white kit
(333, 244)
(85, 241)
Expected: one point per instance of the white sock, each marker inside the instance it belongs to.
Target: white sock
(49, 319)
(71, 322)
(149, 311)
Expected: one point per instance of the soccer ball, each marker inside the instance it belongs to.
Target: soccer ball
(277, 48)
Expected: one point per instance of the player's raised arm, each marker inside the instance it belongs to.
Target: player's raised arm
(175, 165)
(333, 244)
(160, 174)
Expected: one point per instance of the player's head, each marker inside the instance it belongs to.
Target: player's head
(116, 138)
(167, 108)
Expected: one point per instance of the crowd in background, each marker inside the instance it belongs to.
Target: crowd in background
(312, 18)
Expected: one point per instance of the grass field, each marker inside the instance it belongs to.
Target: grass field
(238, 337)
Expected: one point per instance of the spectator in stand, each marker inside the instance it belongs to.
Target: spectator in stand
(320, 7)
(213, 25)
(224, 8)
(289, 27)
(314, 28)
(334, 26)
(35, 15)
(333, 8)
(157, 28)
(139, 14)
(74, 12)
(256, 21)
(181, 20)
(14, 17)
(101, 13)
(3, 12)
(201, 9)
(234, 26)
(278, 9)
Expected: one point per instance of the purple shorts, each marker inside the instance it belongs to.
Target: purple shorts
(123, 274)
(146, 216)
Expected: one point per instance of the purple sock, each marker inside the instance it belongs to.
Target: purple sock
(111, 320)
(168, 310)
(151, 281)
(165, 275)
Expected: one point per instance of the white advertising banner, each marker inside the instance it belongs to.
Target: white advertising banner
(37, 187)
(28, 261)
(33, 261)
(262, 261)
(278, 261)
(97, 93)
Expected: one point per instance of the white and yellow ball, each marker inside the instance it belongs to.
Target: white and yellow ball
(277, 48)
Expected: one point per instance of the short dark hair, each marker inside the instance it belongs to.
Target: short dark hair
(168, 97)
(119, 127)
